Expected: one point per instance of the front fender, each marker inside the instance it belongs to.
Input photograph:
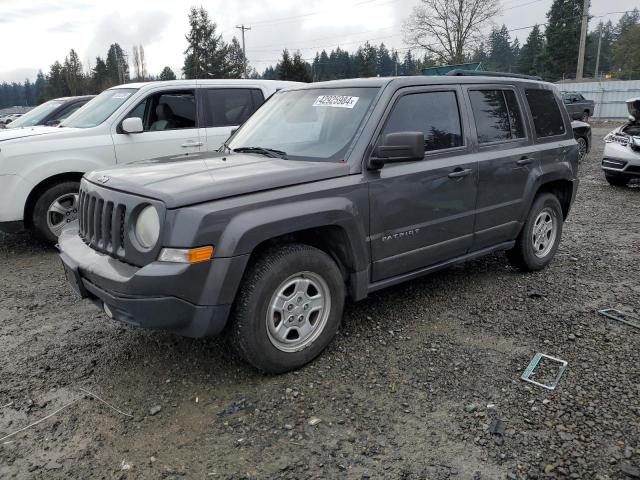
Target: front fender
(248, 229)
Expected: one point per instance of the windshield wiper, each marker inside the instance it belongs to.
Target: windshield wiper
(269, 152)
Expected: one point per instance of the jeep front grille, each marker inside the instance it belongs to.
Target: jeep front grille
(102, 224)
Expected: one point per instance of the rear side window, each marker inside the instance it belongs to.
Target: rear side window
(226, 107)
(497, 115)
(545, 112)
(434, 113)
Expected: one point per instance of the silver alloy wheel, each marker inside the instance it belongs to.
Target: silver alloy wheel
(298, 311)
(63, 210)
(582, 149)
(545, 230)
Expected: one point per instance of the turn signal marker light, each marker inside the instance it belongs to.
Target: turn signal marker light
(186, 255)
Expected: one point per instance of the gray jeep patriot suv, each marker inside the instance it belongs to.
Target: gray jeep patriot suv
(330, 190)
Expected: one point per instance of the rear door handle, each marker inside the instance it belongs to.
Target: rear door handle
(524, 161)
(191, 144)
(460, 173)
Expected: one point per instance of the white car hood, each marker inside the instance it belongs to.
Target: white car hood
(13, 133)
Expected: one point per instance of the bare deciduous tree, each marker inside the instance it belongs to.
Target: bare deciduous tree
(448, 29)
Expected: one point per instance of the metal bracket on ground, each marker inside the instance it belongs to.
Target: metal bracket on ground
(526, 375)
(619, 316)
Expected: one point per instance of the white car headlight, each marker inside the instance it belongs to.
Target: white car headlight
(148, 227)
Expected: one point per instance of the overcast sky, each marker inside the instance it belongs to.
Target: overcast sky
(35, 33)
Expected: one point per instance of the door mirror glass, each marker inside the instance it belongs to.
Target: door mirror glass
(398, 147)
(132, 125)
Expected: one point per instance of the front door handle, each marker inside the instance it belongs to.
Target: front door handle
(191, 144)
(524, 161)
(460, 173)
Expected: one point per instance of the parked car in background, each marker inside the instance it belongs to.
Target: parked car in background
(51, 113)
(41, 168)
(330, 190)
(7, 119)
(579, 108)
(582, 134)
(621, 159)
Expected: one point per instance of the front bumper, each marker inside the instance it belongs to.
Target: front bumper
(190, 300)
(621, 160)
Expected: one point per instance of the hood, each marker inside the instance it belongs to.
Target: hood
(13, 133)
(177, 181)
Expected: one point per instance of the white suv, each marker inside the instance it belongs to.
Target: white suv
(41, 167)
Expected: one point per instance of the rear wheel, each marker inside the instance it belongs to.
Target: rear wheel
(56, 207)
(540, 236)
(582, 149)
(288, 309)
(616, 180)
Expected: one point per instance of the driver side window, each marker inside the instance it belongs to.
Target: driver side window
(167, 111)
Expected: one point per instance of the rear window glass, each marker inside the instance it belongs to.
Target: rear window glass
(547, 118)
(497, 115)
(230, 106)
(434, 113)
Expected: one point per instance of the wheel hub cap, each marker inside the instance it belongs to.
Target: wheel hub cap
(544, 232)
(62, 211)
(298, 311)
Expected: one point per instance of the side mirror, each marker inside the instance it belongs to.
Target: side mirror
(398, 147)
(53, 123)
(132, 125)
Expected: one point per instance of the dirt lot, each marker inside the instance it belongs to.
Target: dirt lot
(409, 388)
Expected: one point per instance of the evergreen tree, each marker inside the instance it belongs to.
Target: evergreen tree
(29, 93)
(56, 82)
(626, 51)
(206, 54)
(235, 60)
(532, 53)
(117, 66)
(384, 63)
(100, 75)
(606, 48)
(480, 55)
(40, 88)
(167, 74)
(73, 75)
(562, 38)
(409, 66)
(501, 58)
(301, 70)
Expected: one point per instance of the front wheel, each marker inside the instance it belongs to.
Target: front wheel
(56, 207)
(288, 309)
(540, 236)
(585, 116)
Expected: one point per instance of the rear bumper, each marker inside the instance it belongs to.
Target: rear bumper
(190, 300)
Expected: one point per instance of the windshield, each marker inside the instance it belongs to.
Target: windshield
(35, 116)
(99, 109)
(313, 124)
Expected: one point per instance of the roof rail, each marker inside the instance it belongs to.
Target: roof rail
(478, 73)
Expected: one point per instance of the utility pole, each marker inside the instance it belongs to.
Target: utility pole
(598, 54)
(244, 50)
(583, 39)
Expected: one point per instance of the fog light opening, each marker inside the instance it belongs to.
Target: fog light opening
(107, 310)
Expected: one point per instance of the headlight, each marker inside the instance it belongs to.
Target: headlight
(148, 227)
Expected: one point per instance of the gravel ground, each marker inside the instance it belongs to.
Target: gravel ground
(413, 386)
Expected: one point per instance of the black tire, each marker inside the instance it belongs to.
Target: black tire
(583, 146)
(248, 330)
(523, 254)
(585, 116)
(616, 180)
(41, 208)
